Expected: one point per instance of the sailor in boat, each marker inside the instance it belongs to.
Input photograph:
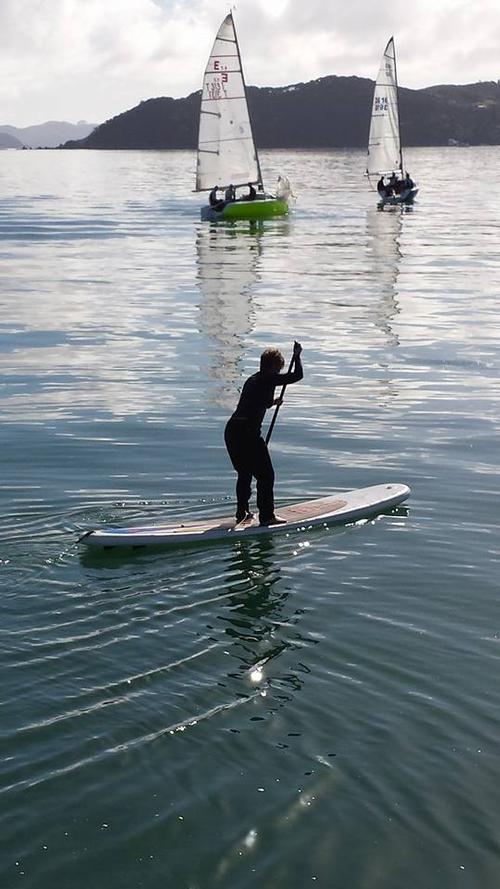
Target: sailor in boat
(230, 194)
(393, 184)
(252, 194)
(215, 202)
(409, 183)
(381, 187)
(243, 437)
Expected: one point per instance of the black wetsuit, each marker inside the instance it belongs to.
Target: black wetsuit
(246, 447)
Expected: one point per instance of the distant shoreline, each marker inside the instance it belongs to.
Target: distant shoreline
(328, 113)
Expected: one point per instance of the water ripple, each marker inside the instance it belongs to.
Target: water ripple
(314, 704)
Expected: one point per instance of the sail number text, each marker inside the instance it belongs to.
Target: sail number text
(216, 88)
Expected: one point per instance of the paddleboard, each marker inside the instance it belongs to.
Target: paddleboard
(334, 509)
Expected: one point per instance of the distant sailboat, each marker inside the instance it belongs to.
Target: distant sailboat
(227, 155)
(385, 156)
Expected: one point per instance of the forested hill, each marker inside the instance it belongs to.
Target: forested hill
(331, 112)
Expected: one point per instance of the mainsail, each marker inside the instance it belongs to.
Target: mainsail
(384, 141)
(226, 148)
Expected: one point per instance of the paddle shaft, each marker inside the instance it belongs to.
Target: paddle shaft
(275, 415)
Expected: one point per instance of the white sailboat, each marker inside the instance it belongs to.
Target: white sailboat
(385, 156)
(227, 156)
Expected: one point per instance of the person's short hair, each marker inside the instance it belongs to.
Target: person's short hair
(271, 359)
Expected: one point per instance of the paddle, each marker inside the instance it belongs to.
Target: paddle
(275, 415)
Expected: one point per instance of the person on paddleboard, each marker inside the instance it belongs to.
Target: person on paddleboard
(243, 437)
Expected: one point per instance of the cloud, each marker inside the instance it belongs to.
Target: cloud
(91, 59)
(76, 59)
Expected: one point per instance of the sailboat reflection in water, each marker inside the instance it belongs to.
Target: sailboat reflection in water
(228, 260)
(384, 257)
(384, 233)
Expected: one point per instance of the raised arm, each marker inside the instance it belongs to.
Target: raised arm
(296, 374)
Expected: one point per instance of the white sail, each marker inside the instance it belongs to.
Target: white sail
(384, 143)
(226, 149)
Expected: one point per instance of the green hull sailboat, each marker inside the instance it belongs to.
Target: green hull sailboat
(227, 155)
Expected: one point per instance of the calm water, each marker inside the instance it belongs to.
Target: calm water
(316, 709)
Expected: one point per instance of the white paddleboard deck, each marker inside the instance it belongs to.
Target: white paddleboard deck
(335, 509)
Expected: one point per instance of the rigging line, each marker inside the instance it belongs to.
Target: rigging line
(261, 183)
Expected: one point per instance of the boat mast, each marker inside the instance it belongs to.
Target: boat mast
(260, 182)
(397, 100)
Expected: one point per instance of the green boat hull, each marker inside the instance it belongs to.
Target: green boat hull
(251, 210)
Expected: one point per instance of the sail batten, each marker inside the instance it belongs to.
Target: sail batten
(384, 142)
(224, 119)
(230, 139)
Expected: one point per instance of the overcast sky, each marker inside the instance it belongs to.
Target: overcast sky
(92, 59)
